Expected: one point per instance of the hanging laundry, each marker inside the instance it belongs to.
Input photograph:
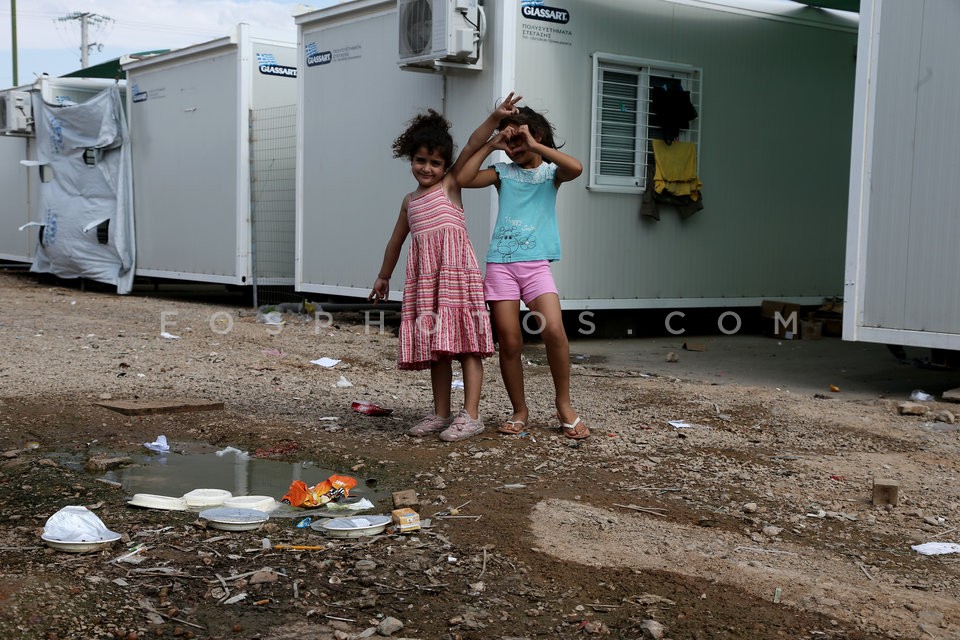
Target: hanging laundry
(672, 179)
(676, 169)
(671, 109)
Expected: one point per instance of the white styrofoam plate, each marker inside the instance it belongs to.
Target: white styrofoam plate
(206, 497)
(72, 546)
(353, 527)
(260, 503)
(152, 501)
(234, 519)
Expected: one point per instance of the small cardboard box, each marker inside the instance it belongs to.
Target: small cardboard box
(832, 327)
(406, 519)
(781, 319)
(810, 330)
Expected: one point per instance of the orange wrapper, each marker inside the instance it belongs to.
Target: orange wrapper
(300, 495)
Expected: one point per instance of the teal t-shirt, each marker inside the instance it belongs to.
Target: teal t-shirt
(526, 227)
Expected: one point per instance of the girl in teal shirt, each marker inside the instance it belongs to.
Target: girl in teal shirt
(525, 241)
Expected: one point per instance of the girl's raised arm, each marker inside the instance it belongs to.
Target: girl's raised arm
(483, 132)
(568, 167)
(470, 175)
(381, 287)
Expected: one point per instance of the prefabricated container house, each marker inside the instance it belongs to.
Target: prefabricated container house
(769, 83)
(196, 117)
(903, 266)
(19, 177)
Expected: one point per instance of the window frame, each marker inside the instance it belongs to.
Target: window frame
(691, 77)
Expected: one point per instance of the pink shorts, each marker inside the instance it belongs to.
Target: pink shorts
(525, 281)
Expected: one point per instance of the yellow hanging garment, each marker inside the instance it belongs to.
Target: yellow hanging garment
(676, 169)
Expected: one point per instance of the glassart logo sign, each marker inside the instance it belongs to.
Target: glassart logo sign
(267, 64)
(316, 57)
(138, 95)
(536, 10)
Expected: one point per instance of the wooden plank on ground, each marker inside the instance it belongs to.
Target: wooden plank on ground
(150, 407)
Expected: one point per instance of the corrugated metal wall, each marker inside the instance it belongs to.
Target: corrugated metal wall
(185, 155)
(774, 157)
(15, 181)
(351, 188)
(912, 271)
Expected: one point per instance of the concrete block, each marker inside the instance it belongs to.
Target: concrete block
(406, 498)
(885, 492)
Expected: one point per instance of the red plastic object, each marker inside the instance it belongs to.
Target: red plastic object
(370, 409)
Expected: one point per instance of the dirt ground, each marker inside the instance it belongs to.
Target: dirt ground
(752, 521)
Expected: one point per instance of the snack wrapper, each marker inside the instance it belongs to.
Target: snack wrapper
(300, 495)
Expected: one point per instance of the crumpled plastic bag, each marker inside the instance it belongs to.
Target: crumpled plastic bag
(300, 495)
(270, 317)
(159, 445)
(76, 524)
(361, 505)
(936, 548)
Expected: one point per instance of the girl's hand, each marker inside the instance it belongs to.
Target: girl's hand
(508, 107)
(381, 290)
(514, 139)
(501, 141)
(523, 132)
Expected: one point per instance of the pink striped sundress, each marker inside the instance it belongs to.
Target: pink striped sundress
(443, 309)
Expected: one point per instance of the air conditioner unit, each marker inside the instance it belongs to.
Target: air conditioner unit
(16, 112)
(438, 33)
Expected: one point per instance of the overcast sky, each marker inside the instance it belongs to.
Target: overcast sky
(49, 43)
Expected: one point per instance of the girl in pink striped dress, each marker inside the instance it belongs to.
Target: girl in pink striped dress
(444, 316)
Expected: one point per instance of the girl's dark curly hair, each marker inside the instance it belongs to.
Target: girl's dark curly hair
(430, 130)
(538, 124)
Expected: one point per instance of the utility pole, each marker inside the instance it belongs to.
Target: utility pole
(13, 38)
(86, 19)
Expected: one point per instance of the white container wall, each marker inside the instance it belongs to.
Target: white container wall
(18, 186)
(190, 113)
(354, 101)
(772, 154)
(903, 268)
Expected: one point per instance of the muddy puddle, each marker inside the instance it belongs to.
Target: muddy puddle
(191, 467)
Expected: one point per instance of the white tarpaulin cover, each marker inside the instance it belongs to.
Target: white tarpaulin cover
(86, 199)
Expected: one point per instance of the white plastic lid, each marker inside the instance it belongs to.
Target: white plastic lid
(232, 515)
(206, 497)
(152, 501)
(260, 503)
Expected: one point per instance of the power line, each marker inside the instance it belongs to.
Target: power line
(86, 19)
(141, 25)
